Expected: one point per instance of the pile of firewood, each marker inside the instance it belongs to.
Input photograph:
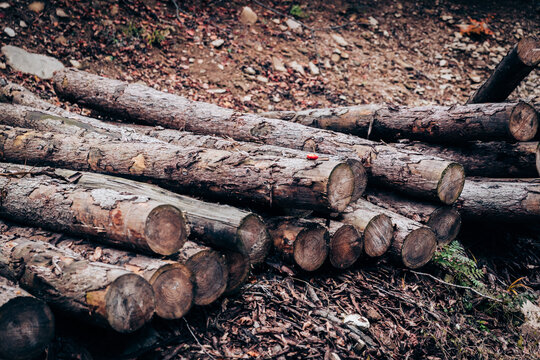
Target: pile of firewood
(96, 226)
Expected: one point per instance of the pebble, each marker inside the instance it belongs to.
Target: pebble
(248, 16)
(262, 79)
(373, 21)
(276, 98)
(443, 63)
(249, 70)
(36, 6)
(295, 26)
(10, 32)
(446, 76)
(339, 40)
(297, 67)
(475, 78)
(278, 64)
(61, 13)
(2, 66)
(313, 69)
(335, 57)
(4, 5)
(344, 56)
(216, 91)
(221, 67)
(22, 24)
(218, 43)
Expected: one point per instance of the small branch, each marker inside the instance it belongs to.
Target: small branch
(197, 340)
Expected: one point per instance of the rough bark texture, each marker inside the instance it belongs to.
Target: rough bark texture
(299, 242)
(326, 185)
(503, 200)
(488, 159)
(26, 323)
(119, 218)
(346, 244)
(101, 293)
(419, 174)
(513, 68)
(445, 221)
(458, 123)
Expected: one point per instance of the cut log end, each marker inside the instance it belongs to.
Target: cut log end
(378, 235)
(445, 223)
(528, 51)
(166, 230)
(346, 246)
(254, 236)
(418, 248)
(173, 289)
(360, 178)
(238, 268)
(26, 328)
(523, 124)
(311, 248)
(341, 186)
(129, 303)
(538, 159)
(451, 183)
(210, 271)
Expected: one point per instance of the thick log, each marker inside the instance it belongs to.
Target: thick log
(113, 217)
(438, 124)
(487, 159)
(346, 244)
(325, 185)
(26, 323)
(445, 221)
(299, 242)
(501, 200)
(238, 268)
(513, 68)
(101, 293)
(419, 174)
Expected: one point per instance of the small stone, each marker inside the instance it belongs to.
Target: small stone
(373, 21)
(335, 58)
(446, 76)
(218, 43)
(216, 91)
(283, 27)
(247, 98)
(76, 64)
(36, 6)
(61, 40)
(313, 69)
(30, 63)
(297, 67)
(2, 66)
(249, 70)
(443, 63)
(327, 64)
(475, 78)
(278, 64)
(61, 13)
(458, 35)
(386, 33)
(276, 21)
(248, 16)
(4, 5)
(344, 56)
(337, 51)
(262, 79)
(294, 26)
(276, 98)
(22, 24)
(221, 67)
(191, 60)
(10, 32)
(339, 40)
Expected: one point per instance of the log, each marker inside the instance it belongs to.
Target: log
(113, 217)
(487, 159)
(445, 221)
(513, 68)
(238, 269)
(501, 200)
(26, 323)
(325, 185)
(104, 294)
(346, 244)
(416, 173)
(299, 241)
(413, 243)
(435, 124)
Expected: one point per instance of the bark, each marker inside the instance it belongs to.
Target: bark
(488, 159)
(299, 242)
(113, 217)
(26, 323)
(346, 244)
(445, 221)
(326, 185)
(447, 124)
(513, 68)
(101, 293)
(501, 200)
(419, 174)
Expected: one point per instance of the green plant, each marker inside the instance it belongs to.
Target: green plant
(154, 37)
(297, 11)
(463, 269)
(132, 30)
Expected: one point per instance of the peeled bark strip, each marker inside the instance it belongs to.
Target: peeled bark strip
(448, 124)
(26, 323)
(346, 244)
(209, 269)
(236, 176)
(445, 221)
(101, 293)
(298, 241)
(238, 268)
(504, 200)
(113, 217)
(416, 173)
(488, 159)
(513, 68)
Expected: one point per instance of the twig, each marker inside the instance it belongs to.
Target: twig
(178, 11)
(197, 340)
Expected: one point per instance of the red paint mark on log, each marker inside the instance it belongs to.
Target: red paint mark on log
(312, 157)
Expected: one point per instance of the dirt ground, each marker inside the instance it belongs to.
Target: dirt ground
(398, 52)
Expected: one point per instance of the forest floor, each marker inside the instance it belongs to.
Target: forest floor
(398, 52)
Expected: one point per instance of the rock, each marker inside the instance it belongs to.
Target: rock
(446, 76)
(475, 78)
(61, 40)
(262, 79)
(22, 24)
(10, 32)
(30, 63)
(294, 26)
(313, 69)
(339, 40)
(217, 43)
(357, 321)
(531, 326)
(61, 13)
(283, 27)
(344, 56)
(335, 58)
(2, 66)
(221, 67)
(276, 98)
(216, 91)
(248, 16)
(4, 5)
(443, 63)
(249, 70)
(278, 64)
(297, 67)
(373, 21)
(36, 6)
(247, 98)
(403, 64)
(76, 64)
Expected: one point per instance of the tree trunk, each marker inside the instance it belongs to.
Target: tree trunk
(491, 159)
(438, 124)
(26, 323)
(101, 293)
(326, 185)
(419, 174)
(513, 68)
(298, 241)
(346, 244)
(209, 269)
(501, 200)
(413, 244)
(122, 219)
(445, 221)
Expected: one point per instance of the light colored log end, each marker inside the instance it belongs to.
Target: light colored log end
(445, 223)
(346, 246)
(210, 271)
(311, 248)
(418, 248)
(451, 183)
(341, 185)
(254, 238)
(528, 50)
(165, 230)
(523, 124)
(378, 235)
(173, 289)
(238, 268)
(360, 178)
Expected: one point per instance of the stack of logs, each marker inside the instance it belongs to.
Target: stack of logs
(115, 242)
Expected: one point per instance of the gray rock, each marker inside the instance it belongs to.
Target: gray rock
(4, 5)
(313, 69)
(61, 13)
(248, 16)
(294, 26)
(373, 21)
(30, 63)
(76, 64)
(339, 40)
(10, 32)
(22, 24)
(218, 43)
(278, 64)
(297, 67)
(249, 70)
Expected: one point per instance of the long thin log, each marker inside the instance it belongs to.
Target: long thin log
(100, 293)
(501, 200)
(438, 124)
(445, 221)
(326, 185)
(419, 174)
(513, 68)
(119, 218)
(346, 244)
(26, 323)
